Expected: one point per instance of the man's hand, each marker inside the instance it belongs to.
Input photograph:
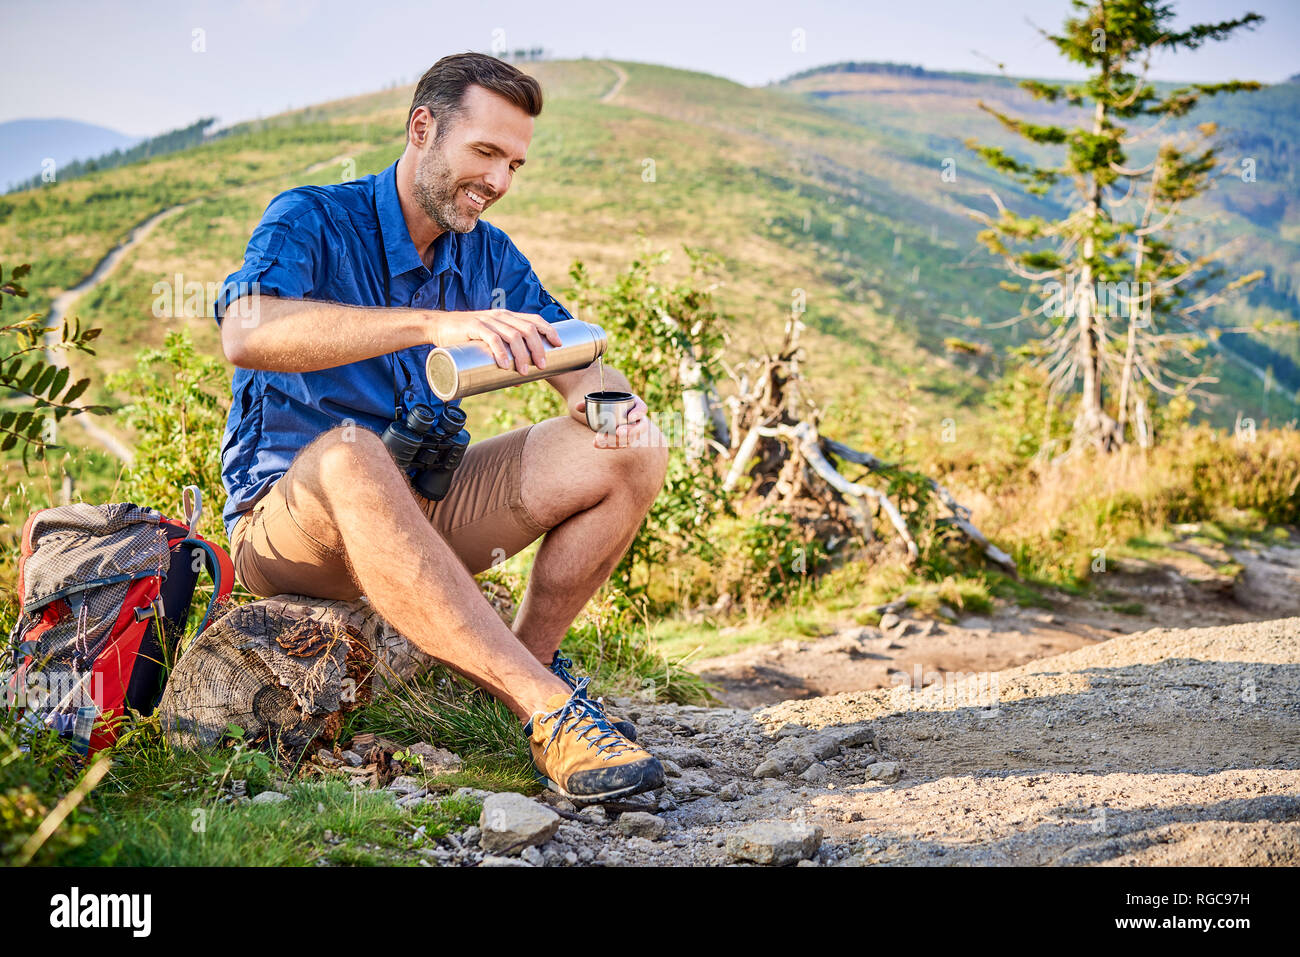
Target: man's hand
(638, 430)
(509, 336)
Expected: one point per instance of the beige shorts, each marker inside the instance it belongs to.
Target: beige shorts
(483, 518)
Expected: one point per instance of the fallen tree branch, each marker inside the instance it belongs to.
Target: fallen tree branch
(805, 438)
(960, 513)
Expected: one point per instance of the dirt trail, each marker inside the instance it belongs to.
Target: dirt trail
(64, 302)
(1198, 583)
(620, 77)
(1171, 746)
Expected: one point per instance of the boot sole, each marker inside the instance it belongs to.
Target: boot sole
(589, 798)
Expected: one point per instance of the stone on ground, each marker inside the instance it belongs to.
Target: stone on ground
(510, 822)
(774, 842)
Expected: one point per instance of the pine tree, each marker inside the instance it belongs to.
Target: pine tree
(1113, 281)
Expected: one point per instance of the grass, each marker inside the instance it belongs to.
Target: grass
(320, 823)
(1129, 608)
(161, 807)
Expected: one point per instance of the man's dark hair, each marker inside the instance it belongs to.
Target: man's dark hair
(442, 88)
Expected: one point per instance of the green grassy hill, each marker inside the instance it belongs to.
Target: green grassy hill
(828, 184)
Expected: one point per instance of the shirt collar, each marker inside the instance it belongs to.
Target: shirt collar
(398, 248)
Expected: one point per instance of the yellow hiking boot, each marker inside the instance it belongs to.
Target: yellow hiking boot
(577, 753)
(560, 666)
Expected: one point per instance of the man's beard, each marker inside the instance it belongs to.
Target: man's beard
(438, 194)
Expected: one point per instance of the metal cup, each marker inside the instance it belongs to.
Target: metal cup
(606, 411)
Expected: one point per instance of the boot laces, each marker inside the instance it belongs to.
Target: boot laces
(583, 716)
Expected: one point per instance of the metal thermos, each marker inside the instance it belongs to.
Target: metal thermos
(469, 368)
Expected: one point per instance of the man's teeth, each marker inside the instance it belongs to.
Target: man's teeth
(476, 198)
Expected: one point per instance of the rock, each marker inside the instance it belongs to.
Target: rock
(730, 792)
(774, 842)
(404, 784)
(557, 801)
(510, 822)
(352, 758)
(642, 845)
(889, 621)
(533, 856)
(821, 747)
(471, 835)
(683, 757)
(478, 794)
(671, 768)
(885, 772)
(493, 860)
(436, 760)
(808, 863)
(595, 814)
(1269, 582)
(789, 730)
(846, 644)
(789, 758)
(571, 858)
(270, 797)
(327, 759)
(552, 856)
(976, 623)
(641, 824)
(852, 735)
(696, 782)
(815, 774)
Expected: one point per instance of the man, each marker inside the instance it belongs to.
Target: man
(344, 291)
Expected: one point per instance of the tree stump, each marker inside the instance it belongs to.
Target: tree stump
(285, 670)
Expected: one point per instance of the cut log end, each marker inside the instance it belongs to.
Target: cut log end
(284, 670)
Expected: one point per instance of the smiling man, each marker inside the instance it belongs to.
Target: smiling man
(343, 293)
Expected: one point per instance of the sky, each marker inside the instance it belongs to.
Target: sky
(146, 67)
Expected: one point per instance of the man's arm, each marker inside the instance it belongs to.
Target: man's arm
(303, 335)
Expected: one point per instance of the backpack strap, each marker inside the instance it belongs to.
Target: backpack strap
(192, 507)
(219, 567)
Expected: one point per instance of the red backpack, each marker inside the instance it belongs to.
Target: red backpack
(105, 589)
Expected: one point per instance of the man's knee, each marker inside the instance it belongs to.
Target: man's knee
(645, 460)
(349, 454)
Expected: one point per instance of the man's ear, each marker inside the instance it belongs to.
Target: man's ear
(423, 127)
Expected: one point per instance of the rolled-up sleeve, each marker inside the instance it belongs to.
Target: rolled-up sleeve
(283, 257)
(523, 291)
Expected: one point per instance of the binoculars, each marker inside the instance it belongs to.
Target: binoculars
(431, 443)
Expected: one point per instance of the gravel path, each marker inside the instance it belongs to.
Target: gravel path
(1172, 746)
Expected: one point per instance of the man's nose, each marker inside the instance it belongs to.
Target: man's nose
(499, 179)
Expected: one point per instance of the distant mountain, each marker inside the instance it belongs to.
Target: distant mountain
(26, 144)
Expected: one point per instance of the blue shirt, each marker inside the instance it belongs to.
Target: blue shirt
(348, 243)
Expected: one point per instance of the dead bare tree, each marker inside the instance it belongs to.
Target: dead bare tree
(774, 437)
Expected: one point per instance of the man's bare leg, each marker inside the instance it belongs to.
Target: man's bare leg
(345, 484)
(594, 499)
